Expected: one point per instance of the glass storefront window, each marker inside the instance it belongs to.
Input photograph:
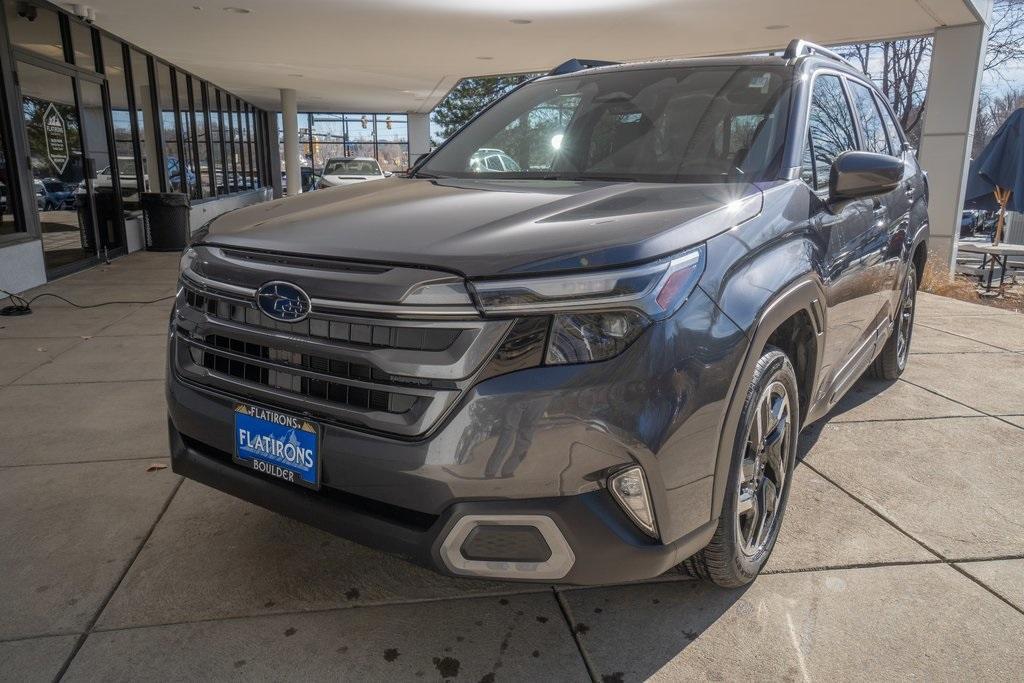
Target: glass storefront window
(202, 136)
(360, 127)
(186, 125)
(34, 28)
(250, 129)
(94, 143)
(9, 223)
(176, 180)
(393, 156)
(217, 137)
(121, 118)
(81, 44)
(384, 137)
(392, 128)
(143, 115)
(239, 153)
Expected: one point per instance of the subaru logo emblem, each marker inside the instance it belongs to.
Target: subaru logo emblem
(283, 301)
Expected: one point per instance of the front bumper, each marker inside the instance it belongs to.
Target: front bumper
(606, 547)
(535, 442)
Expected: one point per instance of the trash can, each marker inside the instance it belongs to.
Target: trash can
(165, 220)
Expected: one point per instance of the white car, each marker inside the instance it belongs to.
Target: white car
(350, 170)
(492, 160)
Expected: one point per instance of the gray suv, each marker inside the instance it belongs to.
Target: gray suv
(592, 366)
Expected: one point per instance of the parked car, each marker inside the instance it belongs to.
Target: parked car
(591, 371)
(968, 223)
(56, 194)
(486, 160)
(349, 170)
(128, 176)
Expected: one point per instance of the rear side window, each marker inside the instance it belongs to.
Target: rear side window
(890, 126)
(875, 138)
(830, 129)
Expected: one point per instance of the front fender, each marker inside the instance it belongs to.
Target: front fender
(760, 274)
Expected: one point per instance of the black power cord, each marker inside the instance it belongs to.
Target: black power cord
(22, 306)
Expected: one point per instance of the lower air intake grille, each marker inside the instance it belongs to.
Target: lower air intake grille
(321, 389)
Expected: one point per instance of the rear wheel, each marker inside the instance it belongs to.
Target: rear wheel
(892, 361)
(759, 479)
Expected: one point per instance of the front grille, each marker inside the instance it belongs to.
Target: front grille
(369, 334)
(390, 375)
(320, 389)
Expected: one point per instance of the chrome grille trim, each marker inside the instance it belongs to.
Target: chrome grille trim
(223, 343)
(335, 306)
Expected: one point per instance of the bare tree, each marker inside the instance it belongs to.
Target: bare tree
(900, 67)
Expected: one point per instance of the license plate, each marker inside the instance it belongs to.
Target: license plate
(278, 445)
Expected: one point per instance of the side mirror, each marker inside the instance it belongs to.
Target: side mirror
(861, 174)
(388, 174)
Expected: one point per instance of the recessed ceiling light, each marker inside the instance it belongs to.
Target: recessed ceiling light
(776, 27)
(485, 58)
(237, 10)
(521, 21)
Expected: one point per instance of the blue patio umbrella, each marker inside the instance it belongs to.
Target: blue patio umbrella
(998, 171)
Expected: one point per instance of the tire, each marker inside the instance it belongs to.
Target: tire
(892, 361)
(737, 551)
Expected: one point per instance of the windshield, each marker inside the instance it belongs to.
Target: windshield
(691, 124)
(351, 167)
(55, 186)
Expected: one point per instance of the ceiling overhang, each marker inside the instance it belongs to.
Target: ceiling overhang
(404, 55)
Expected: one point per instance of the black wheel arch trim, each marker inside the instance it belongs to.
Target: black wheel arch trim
(805, 294)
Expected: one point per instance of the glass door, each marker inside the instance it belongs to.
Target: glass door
(74, 188)
(101, 184)
(56, 163)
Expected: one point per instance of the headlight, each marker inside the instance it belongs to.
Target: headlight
(589, 337)
(596, 316)
(187, 258)
(656, 289)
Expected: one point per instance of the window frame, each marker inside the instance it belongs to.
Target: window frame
(806, 123)
(862, 143)
(887, 112)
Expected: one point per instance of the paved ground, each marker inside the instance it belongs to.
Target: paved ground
(902, 553)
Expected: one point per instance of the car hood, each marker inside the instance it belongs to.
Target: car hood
(481, 228)
(336, 180)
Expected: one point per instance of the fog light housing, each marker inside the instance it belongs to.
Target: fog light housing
(630, 491)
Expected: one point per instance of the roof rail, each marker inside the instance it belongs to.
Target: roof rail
(802, 48)
(578, 65)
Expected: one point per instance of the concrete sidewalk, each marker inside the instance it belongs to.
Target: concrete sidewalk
(902, 551)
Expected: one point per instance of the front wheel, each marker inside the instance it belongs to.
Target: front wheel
(892, 361)
(759, 480)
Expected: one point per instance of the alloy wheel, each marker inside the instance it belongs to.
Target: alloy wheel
(905, 321)
(764, 469)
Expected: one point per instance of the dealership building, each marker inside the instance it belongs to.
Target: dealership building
(102, 102)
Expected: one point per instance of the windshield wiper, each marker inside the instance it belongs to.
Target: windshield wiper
(605, 178)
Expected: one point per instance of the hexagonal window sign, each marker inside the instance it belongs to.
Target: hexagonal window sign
(55, 131)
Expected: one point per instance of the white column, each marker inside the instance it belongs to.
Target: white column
(419, 136)
(958, 56)
(290, 123)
